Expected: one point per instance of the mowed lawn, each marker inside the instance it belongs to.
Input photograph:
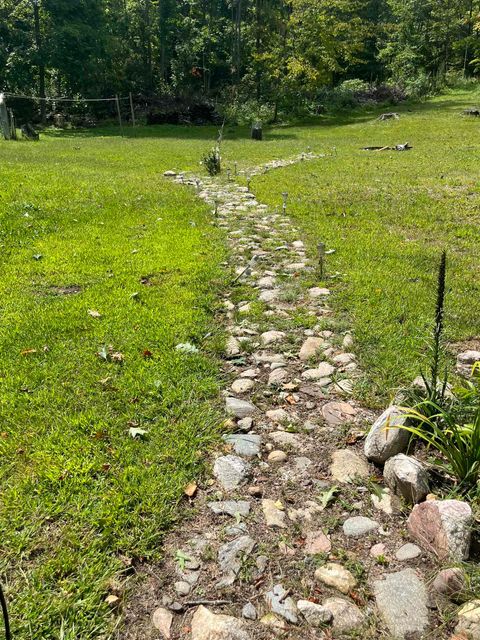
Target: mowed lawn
(388, 215)
(106, 267)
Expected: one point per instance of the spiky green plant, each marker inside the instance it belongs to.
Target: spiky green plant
(435, 390)
(459, 444)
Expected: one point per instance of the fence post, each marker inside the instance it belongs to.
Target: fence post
(119, 115)
(4, 121)
(131, 109)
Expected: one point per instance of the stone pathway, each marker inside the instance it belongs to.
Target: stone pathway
(295, 535)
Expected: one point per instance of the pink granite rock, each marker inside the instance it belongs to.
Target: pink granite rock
(442, 527)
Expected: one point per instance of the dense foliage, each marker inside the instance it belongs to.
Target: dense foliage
(273, 52)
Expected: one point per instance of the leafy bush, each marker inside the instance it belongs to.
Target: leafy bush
(244, 112)
(354, 93)
(212, 161)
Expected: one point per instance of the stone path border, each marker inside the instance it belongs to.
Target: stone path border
(294, 535)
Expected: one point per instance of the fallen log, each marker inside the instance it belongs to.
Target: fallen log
(389, 116)
(397, 147)
(474, 111)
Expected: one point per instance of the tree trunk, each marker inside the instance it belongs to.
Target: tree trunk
(41, 62)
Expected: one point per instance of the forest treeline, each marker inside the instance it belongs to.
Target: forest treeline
(280, 52)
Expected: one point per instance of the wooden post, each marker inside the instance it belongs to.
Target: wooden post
(131, 109)
(117, 101)
(4, 121)
(13, 125)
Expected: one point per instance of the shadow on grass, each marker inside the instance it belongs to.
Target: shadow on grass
(192, 132)
(272, 132)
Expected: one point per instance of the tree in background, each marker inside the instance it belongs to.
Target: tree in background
(273, 52)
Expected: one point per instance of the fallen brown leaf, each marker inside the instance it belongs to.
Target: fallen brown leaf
(27, 352)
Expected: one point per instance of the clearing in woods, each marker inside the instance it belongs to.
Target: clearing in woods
(107, 267)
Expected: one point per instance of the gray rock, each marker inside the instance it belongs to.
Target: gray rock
(208, 626)
(300, 470)
(402, 602)
(277, 415)
(281, 605)
(242, 385)
(286, 439)
(359, 526)
(324, 370)
(346, 615)
(235, 530)
(314, 614)
(232, 347)
(347, 466)
(385, 439)
(230, 507)
(469, 357)
(239, 408)
(231, 556)
(408, 551)
(245, 424)
(407, 478)
(277, 377)
(182, 587)
(442, 527)
(249, 612)
(230, 471)
(270, 337)
(247, 445)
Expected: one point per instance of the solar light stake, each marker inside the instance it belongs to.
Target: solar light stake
(228, 174)
(248, 183)
(321, 259)
(235, 165)
(197, 182)
(285, 198)
(215, 211)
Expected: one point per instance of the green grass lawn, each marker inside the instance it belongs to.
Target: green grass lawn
(88, 223)
(388, 215)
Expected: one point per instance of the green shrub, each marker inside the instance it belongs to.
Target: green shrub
(212, 161)
(244, 112)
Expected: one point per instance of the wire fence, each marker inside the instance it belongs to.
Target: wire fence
(12, 105)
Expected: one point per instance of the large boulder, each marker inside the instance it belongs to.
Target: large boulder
(442, 527)
(407, 478)
(385, 439)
